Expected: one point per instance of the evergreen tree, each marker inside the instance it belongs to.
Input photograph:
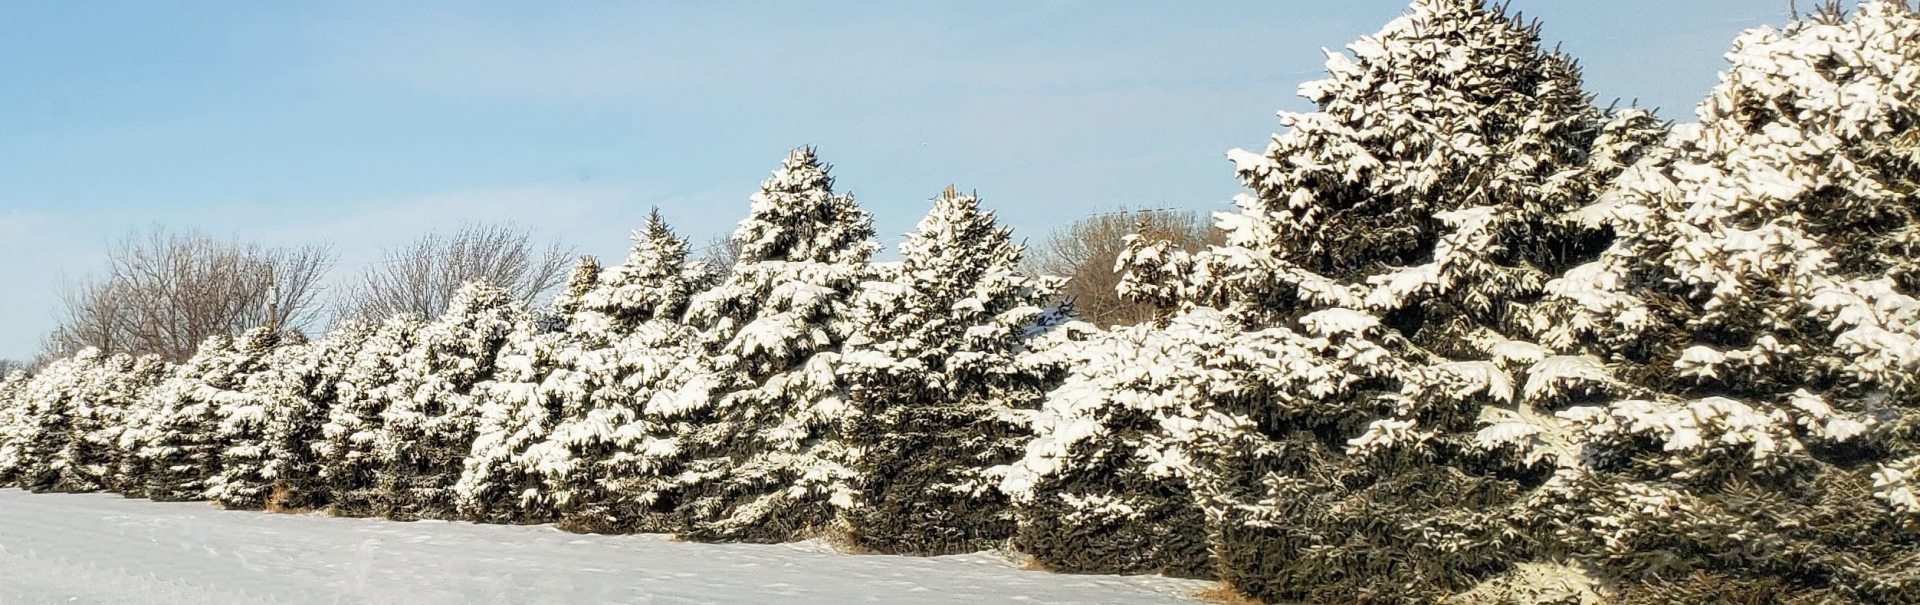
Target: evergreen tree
(137, 429)
(47, 425)
(638, 469)
(534, 384)
(60, 428)
(934, 375)
(182, 442)
(599, 465)
(1758, 319)
(606, 469)
(103, 398)
(345, 455)
(765, 459)
(428, 427)
(301, 394)
(1375, 296)
(13, 422)
(246, 413)
(1118, 476)
(565, 420)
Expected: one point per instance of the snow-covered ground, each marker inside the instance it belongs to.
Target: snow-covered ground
(102, 549)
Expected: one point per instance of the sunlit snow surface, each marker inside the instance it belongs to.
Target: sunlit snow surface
(101, 549)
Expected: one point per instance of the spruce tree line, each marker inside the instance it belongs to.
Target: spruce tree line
(1469, 336)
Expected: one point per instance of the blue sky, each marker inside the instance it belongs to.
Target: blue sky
(365, 124)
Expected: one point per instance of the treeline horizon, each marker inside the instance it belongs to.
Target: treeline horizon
(234, 284)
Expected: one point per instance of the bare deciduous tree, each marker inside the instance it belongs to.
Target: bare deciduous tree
(719, 255)
(422, 277)
(164, 293)
(1085, 251)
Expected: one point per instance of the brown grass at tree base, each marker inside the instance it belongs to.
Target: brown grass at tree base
(1022, 561)
(1225, 595)
(576, 526)
(277, 502)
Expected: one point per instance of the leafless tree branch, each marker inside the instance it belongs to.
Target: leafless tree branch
(422, 277)
(719, 255)
(165, 292)
(1085, 250)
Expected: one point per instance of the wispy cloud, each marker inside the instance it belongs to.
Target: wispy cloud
(16, 225)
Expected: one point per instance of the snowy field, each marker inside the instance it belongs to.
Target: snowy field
(102, 549)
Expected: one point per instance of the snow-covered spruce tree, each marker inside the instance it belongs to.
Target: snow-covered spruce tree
(765, 458)
(143, 416)
(1130, 446)
(246, 414)
(102, 399)
(427, 429)
(1760, 304)
(535, 383)
(565, 434)
(182, 443)
(45, 426)
(300, 394)
(13, 421)
(604, 466)
(639, 476)
(345, 455)
(1320, 392)
(933, 372)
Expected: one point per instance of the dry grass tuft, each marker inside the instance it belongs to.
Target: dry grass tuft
(1225, 595)
(276, 502)
(840, 538)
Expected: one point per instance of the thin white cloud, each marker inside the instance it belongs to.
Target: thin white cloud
(16, 225)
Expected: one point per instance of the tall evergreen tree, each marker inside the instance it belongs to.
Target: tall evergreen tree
(182, 444)
(301, 395)
(246, 413)
(535, 383)
(934, 375)
(103, 398)
(766, 462)
(1758, 319)
(47, 425)
(429, 424)
(13, 419)
(346, 455)
(567, 433)
(599, 464)
(1374, 301)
